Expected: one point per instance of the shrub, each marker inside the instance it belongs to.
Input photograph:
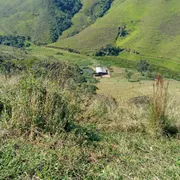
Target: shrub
(122, 32)
(98, 9)
(59, 53)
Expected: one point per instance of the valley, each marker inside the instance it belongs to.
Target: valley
(60, 118)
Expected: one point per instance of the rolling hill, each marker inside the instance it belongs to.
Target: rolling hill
(145, 29)
(152, 29)
(42, 20)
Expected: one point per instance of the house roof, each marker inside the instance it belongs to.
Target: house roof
(101, 70)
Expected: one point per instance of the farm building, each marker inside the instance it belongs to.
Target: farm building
(101, 71)
(96, 72)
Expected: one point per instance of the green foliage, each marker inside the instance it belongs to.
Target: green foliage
(90, 12)
(43, 21)
(109, 50)
(122, 31)
(62, 21)
(98, 9)
(12, 67)
(61, 24)
(126, 24)
(69, 6)
(14, 41)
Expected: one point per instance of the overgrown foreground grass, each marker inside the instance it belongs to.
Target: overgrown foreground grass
(54, 126)
(118, 155)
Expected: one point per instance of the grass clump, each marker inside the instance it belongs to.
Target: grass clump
(35, 107)
(159, 120)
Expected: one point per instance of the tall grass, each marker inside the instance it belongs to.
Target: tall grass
(45, 98)
(37, 107)
(158, 118)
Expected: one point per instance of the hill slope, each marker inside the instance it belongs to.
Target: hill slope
(152, 28)
(91, 10)
(42, 20)
(144, 28)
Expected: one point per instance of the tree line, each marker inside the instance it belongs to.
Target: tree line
(62, 20)
(15, 41)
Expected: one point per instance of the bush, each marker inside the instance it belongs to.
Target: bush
(59, 53)
(109, 50)
(98, 8)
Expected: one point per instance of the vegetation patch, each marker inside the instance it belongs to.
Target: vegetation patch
(109, 50)
(55, 123)
(15, 41)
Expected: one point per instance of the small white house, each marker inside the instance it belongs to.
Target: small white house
(101, 71)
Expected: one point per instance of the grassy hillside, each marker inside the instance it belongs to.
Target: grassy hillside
(28, 18)
(42, 20)
(145, 29)
(90, 11)
(152, 29)
(51, 131)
